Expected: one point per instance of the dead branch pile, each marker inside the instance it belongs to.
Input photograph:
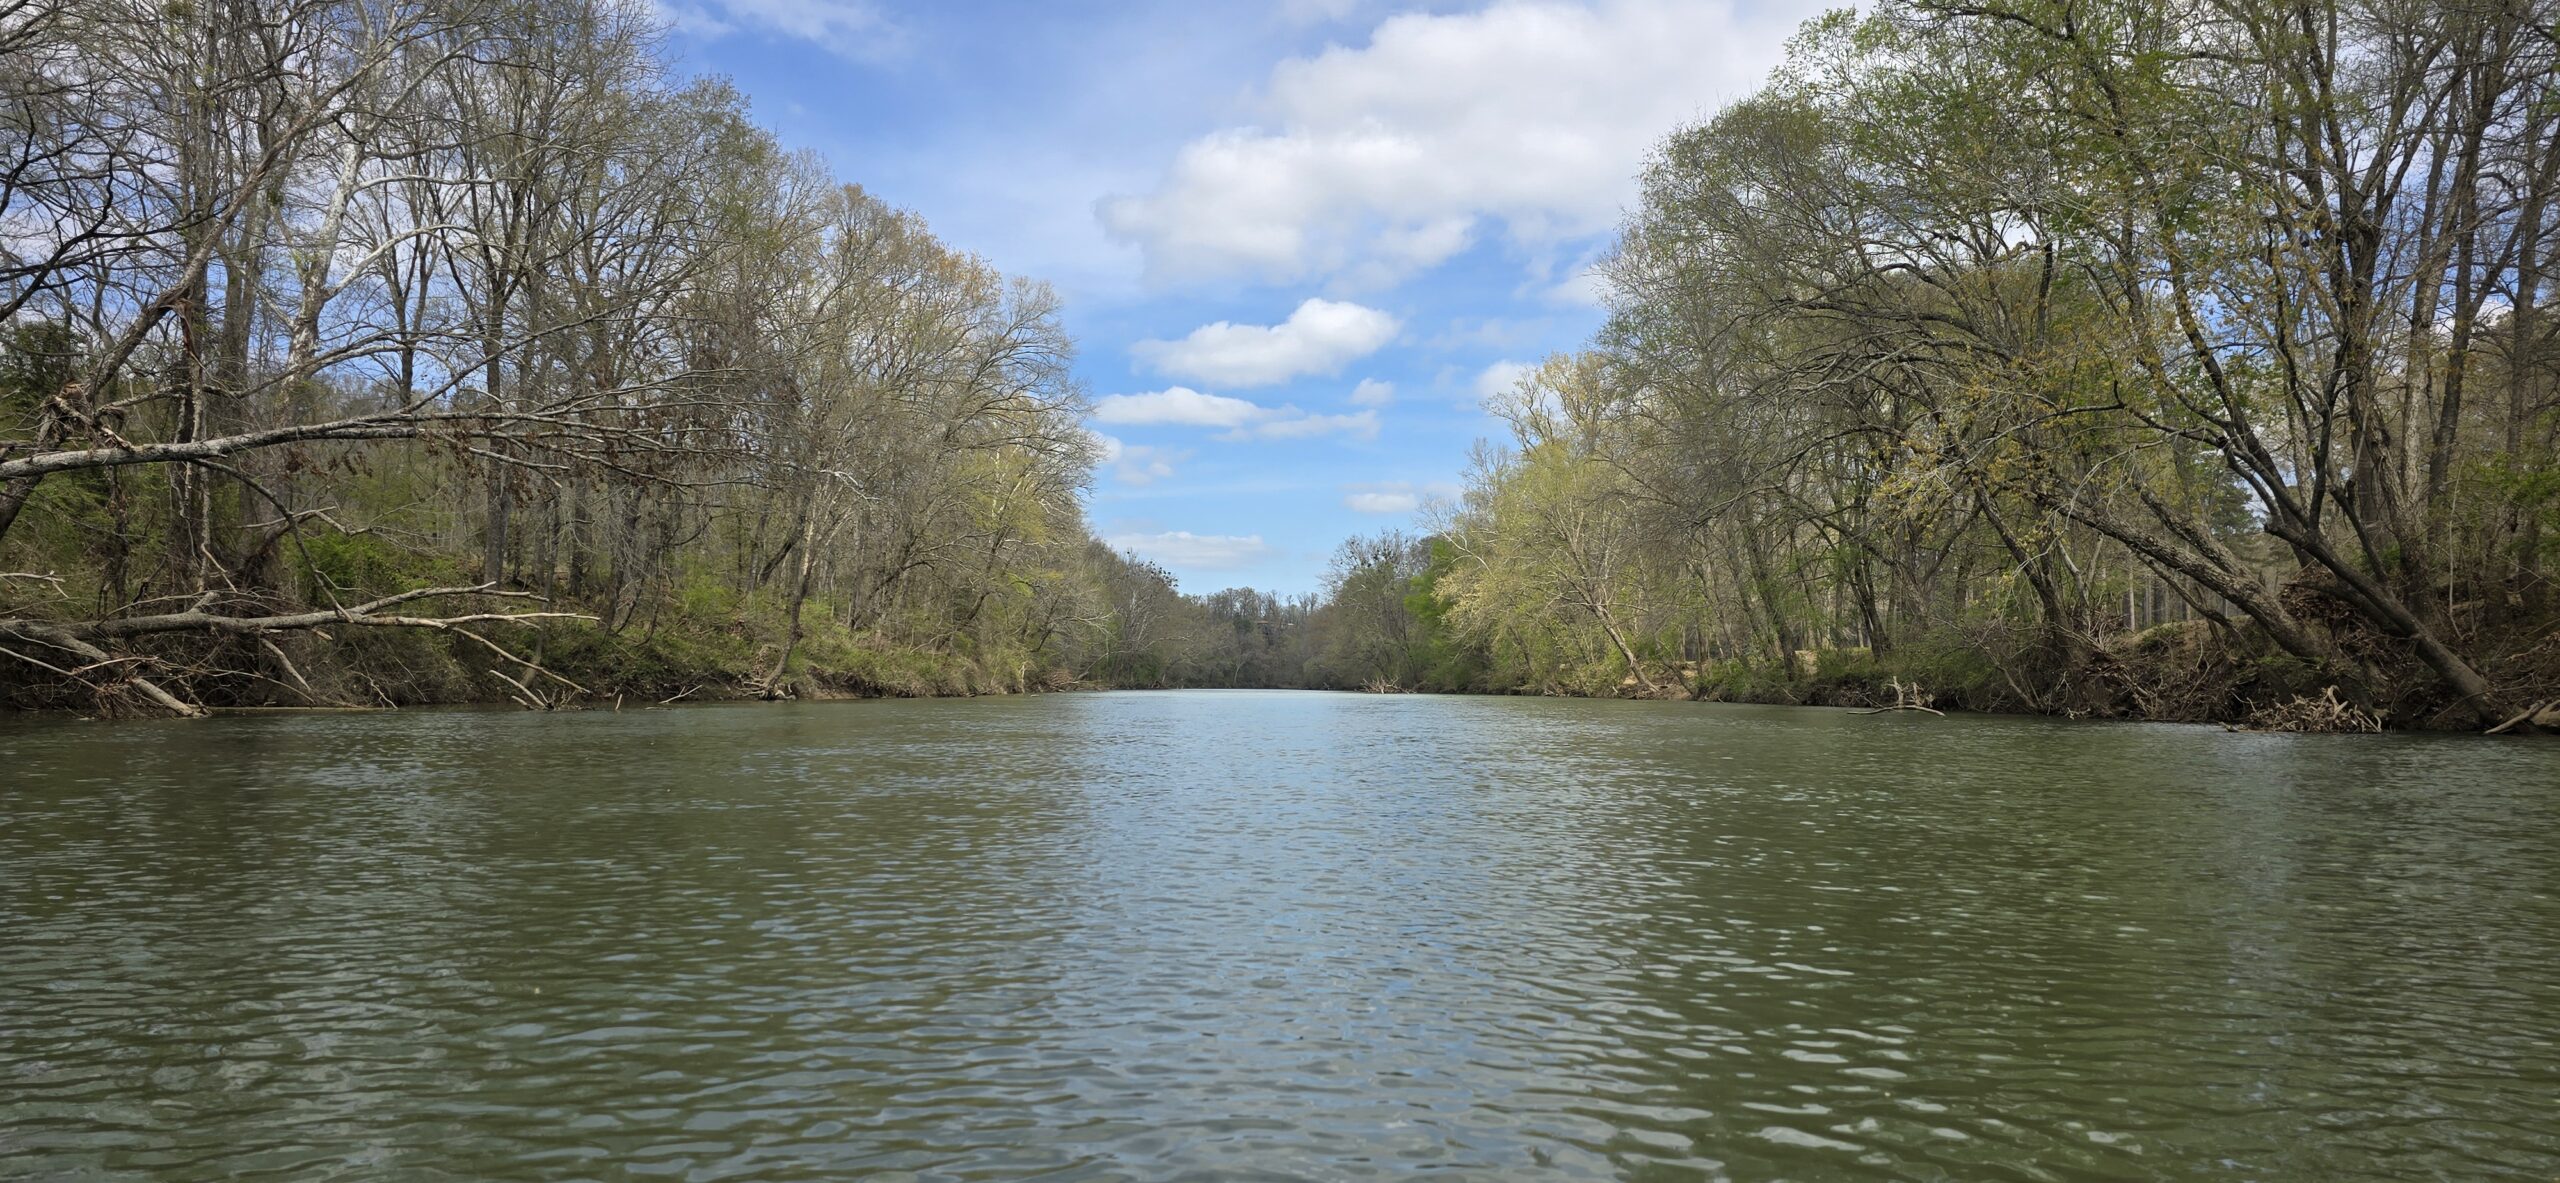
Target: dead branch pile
(2327, 714)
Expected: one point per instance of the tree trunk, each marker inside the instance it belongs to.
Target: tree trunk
(773, 683)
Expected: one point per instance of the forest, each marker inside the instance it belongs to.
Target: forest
(2087, 357)
(363, 352)
(2115, 359)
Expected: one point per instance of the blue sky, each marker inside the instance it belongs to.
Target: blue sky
(1297, 241)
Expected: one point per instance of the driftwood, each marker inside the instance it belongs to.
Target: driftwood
(1907, 698)
(533, 698)
(2539, 716)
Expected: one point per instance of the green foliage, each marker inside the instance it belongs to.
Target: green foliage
(1976, 343)
(38, 360)
(704, 595)
(362, 566)
(1743, 680)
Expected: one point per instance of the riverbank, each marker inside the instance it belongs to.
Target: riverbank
(730, 650)
(2186, 672)
(668, 656)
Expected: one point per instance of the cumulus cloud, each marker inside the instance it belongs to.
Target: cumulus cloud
(1176, 405)
(852, 29)
(1376, 161)
(1308, 12)
(1200, 552)
(1495, 381)
(1320, 337)
(1290, 423)
(1382, 502)
(1138, 464)
(1373, 393)
(1394, 497)
(1584, 288)
(1240, 419)
(1476, 334)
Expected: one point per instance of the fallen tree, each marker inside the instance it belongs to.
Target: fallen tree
(81, 650)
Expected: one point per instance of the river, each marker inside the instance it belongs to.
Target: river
(1246, 935)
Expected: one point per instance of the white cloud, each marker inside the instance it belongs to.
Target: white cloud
(1138, 464)
(853, 29)
(1309, 12)
(1292, 424)
(1242, 419)
(1394, 497)
(1200, 552)
(1373, 393)
(1476, 334)
(1177, 405)
(1382, 502)
(1376, 161)
(1585, 288)
(1496, 380)
(1320, 337)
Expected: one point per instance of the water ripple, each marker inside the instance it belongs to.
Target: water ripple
(1271, 936)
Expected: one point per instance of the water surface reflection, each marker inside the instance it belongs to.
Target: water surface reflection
(1242, 935)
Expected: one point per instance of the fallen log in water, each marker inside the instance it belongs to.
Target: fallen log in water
(1907, 698)
(2540, 716)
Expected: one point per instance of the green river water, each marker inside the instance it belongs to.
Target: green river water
(1244, 935)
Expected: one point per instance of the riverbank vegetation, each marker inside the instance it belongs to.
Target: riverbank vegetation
(2186, 361)
(2090, 357)
(2109, 359)
(356, 352)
